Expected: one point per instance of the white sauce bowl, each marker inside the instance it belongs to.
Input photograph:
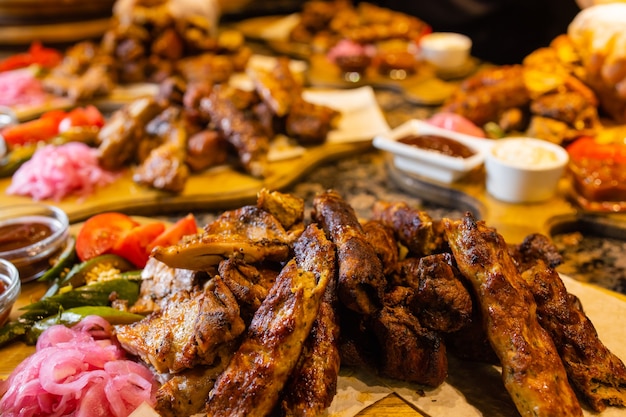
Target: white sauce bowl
(445, 50)
(524, 170)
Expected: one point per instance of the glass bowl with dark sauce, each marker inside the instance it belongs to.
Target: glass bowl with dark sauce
(32, 236)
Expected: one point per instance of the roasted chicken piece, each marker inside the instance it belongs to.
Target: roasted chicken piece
(361, 278)
(594, 371)
(248, 232)
(532, 370)
(313, 383)
(197, 327)
(255, 376)
(413, 228)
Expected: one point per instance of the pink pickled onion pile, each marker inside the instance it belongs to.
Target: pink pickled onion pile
(456, 123)
(77, 371)
(20, 87)
(58, 171)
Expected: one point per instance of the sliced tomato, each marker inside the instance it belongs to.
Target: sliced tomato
(133, 244)
(100, 233)
(36, 54)
(80, 117)
(174, 233)
(42, 129)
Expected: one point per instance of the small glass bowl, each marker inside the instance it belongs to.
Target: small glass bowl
(34, 258)
(10, 286)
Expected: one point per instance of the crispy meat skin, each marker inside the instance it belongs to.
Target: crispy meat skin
(441, 302)
(185, 393)
(414, 228)
(159, 281)
(252, 381)
(384, 243)
(313, 383)
(194, 328)
(410, 352)
(594, 371)
(361, 279)
(249, 232)
(277, 87)
(532, 371)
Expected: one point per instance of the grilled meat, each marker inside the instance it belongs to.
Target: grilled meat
(277, 87)
(288, 209)
(248, 232)
(441, 302)
(248, 284)
(119, 137)
(384, 243)
(532, 370)
(310, 123)
(313, 383)
(413, 228)
(159, 281)
(193, 328)
(185, 393)
(164, 169)
(251, 384)
(361, 279)
(409, 352)
(594, 371)
(239, 128)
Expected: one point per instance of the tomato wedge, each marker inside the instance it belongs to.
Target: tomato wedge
(133, 244)
(100, 233)
(41, 129)
(174, 233)
(80, 117)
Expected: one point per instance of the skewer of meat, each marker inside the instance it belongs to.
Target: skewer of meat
(532, 370)
(594, 371)
(252, 382)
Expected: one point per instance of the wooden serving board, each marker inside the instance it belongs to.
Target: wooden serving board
(219, 188)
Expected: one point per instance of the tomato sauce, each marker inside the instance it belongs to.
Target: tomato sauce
(440, 144)
(19, 235)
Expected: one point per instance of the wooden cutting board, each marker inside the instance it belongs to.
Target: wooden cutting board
(214, 189)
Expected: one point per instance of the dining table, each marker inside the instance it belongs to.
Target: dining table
(594, 243)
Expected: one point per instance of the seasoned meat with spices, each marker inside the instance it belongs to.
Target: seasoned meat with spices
(164, 169)
(241, 130)
(159, 281)
(248, 284)
(384, 243)
(414, 228)
(193, 328)
(313, 383)
(441, 301)
(361, 278)
(248, 232)
(255, 376)
(594, 371)
(410, 352)
(532, 370)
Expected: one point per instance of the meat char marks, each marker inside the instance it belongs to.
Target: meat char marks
(532, 370)
(254, 378)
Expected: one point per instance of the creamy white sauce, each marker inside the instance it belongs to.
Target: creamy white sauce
(525, 153)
